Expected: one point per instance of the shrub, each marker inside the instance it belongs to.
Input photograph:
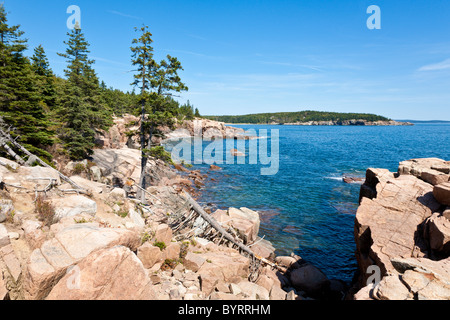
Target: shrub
(122, 213)
(170, 264)
(45, 210)
(10, 216)
(160, 245)
(79, 168)
(160, 153)
(146, 237)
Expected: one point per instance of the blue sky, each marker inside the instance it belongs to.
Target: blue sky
(253, 56)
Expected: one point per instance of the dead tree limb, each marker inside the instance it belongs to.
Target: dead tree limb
(28, 153)
(257, 260)
(11, 152)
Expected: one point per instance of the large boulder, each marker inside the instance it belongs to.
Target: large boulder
(424, 278)
(163, 233)
(29, 177)
(4, 237)
(253, 291)
(109, 274)
(33, 233)
(442, 193)
(399, 227)
(437, 231)
(73, 205)
(227, 266)
(431, 170)
(310, 279)
(244, 220)
(149, 255)
(263, 248)
(193, 261)
(49, 263)
(391, 288)
(90, 186)
(119, 166)
(386, 225)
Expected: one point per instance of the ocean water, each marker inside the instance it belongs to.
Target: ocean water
(306, 208)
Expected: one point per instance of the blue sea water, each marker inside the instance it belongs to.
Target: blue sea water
(306, 208)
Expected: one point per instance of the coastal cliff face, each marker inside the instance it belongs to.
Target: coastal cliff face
(402, 231)
(125, 132)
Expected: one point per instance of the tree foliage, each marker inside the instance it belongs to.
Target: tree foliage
(20, 104)
(293, 117)
(82, 108)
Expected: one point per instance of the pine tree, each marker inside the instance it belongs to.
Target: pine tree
(20, 104)
(82, 107)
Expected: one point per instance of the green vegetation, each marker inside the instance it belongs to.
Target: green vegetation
(170, 264)
(50, 115)
(161, 245)
(21, 103)
(160, 153)
(292, 117)
(146, 237)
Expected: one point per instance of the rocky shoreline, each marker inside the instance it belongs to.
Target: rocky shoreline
(402, 232)
(57, 243)
(350, 123)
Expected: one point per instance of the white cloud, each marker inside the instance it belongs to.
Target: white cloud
(437, 66)
(124, 15)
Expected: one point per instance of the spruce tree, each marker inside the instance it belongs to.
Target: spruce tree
(82, 108)
(157, 82)
(20, 104)
(142, 58)
(44, 77)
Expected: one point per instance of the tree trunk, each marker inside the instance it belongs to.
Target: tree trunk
(143, 155)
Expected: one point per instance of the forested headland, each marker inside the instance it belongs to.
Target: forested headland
(295, 117)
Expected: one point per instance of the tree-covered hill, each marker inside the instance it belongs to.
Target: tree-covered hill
(294, 117)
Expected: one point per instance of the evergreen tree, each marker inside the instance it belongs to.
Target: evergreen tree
(20, 104)
(44, 77)
(157, 82)
(142, 58)
(197, 113)
(82, 107)
(165, 82)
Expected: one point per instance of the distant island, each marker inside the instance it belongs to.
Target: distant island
(309, 118)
